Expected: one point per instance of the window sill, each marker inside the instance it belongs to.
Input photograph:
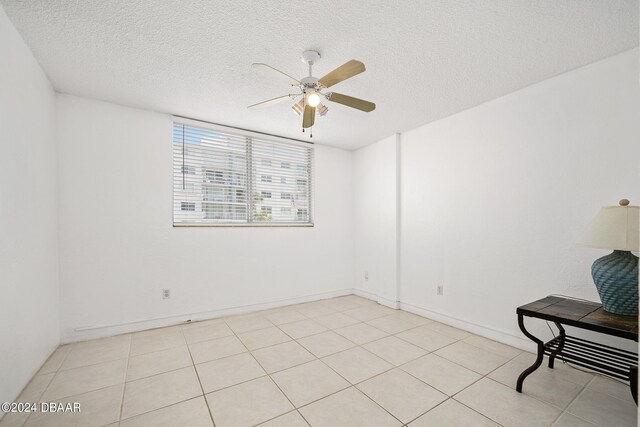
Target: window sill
(243, 225)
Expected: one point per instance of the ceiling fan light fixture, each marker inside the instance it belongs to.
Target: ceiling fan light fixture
(313, 99)
(297, 108)
(322, 109)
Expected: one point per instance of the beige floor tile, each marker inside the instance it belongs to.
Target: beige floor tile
(452, 414)
(158, 362)
(336, 320)
(31, 393)
(413, 318)
(161, 390)
(292, 419)
(248, 404)
(191, 413)
(160, 340)
(568, 420)
(394, 350)
(471, 357)
(350, 408)
(361, 333)
(561, 369)
(206, 332)
(263, 338)
(325, 343)
(97, 408)
(85, 379)
(285, 316)
(367, 313)
(205, 351)
(54, 362)
(339, 304)
(611, 387)
(241, 324)
(404, 396)
(449, 331)
(97, 351)
(426, 338)
(393, 323)
(543, 384)
(314, 309)
(305, 383)
(13, 419)
(282, 356)
(493, 346)
(506, 406)
(302, 328)
(604, 410)
(228, 371)
(357, 364)
(441, 374)
(358, 299)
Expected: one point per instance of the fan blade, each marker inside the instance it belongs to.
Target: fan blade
(309, 116)
(271, 102)
(270, 69)
(343, 72)
(350, 101)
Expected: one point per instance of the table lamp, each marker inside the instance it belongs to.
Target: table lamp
(616, 274)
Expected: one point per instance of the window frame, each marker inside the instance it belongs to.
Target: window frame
(263, 137)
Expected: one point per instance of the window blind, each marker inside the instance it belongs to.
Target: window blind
(229, 178)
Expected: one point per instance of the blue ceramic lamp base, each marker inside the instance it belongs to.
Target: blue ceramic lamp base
(616, 278)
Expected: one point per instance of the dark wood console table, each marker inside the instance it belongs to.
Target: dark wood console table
(587, 315)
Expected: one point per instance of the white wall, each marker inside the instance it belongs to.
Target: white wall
(375, 195)
(29, 306)
(119, 249)
(494, 198)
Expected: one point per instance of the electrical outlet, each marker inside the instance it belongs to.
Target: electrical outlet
(366, 276)
(166, 293)
(440, 290)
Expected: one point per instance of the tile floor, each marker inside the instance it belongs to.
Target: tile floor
(340, 362)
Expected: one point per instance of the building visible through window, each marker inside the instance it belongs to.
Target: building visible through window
(216, 171)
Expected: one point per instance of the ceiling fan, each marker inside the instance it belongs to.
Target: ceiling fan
(312, 89)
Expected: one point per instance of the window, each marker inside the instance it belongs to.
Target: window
(230, 177)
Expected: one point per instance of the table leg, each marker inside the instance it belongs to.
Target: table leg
(633, 382)
(555, 352)
(539, 359)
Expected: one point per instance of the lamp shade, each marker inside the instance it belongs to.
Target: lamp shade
(615, 227)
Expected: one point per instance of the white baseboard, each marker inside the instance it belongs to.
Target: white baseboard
(377, 298)
(101, 331)
(484, 331)
(365, 294)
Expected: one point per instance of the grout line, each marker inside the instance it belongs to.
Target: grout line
(55, 373)
(193, 365)
(267, 374)
(124, 385)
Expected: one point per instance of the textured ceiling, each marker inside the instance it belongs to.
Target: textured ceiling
(425, 59)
